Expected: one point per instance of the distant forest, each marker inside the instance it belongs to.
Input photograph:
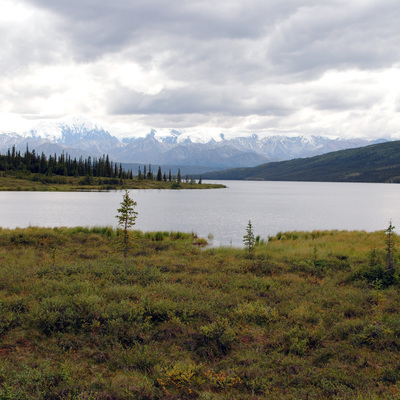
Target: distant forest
(160, 176)
(62, 165)
(375, 163)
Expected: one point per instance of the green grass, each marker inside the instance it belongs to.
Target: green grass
(310, 315)
(37, 182)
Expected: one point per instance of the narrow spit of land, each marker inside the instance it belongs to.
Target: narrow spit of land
(72, 184)
(30, 171)
(311, 315)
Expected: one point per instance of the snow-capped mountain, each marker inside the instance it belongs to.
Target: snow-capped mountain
(56, 131)
(76, 132)
(78, 136)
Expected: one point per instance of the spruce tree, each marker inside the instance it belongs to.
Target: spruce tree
(390, 266)
(126, 219)
(179, 177)
(249, 239)
(159, 174)
(107, 167)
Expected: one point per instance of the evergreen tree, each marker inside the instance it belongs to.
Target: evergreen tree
(150, 174)
(90, 167)
(27, 158)
(126, 219)
(249, 239)
(179, 177)
(390, 247)
(159, 174)
(43, 164)
(107, 167)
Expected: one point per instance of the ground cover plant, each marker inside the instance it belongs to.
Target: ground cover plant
(309, 315)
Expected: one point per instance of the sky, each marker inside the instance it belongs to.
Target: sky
(238, 67)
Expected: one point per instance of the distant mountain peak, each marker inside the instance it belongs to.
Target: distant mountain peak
(174, 132)
(56, 130)
(79, 136)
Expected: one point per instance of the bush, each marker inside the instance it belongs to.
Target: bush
(159, 236)
(64, 314)
(182, 378)
(255, 312)
(376, 276)
(215, 339)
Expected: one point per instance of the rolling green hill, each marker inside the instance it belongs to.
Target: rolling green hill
(375, 163)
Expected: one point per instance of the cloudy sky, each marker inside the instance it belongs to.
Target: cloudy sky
(287, 67)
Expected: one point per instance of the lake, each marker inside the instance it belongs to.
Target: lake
(222, 213)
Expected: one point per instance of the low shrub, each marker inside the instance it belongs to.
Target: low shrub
(310, 316)
(215, 339)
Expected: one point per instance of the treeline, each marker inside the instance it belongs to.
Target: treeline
(62, 165)
(148, 174)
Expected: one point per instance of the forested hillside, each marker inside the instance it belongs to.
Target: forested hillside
(375, 163)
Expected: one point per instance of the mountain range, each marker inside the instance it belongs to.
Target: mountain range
(80, 137)
(374, 163)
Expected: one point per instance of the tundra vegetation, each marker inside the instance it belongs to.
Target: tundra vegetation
(310, 315)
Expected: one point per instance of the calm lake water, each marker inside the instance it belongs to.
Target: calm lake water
(223, 213)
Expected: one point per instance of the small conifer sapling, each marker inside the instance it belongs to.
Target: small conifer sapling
(249, 238)
(126, 219)
(390, 247)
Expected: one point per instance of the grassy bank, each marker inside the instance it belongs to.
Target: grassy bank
(37, 182)
(311, 315)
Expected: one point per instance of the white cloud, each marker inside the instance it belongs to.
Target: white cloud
(287, 66)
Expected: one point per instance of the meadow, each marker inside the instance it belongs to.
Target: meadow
(310, 315)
